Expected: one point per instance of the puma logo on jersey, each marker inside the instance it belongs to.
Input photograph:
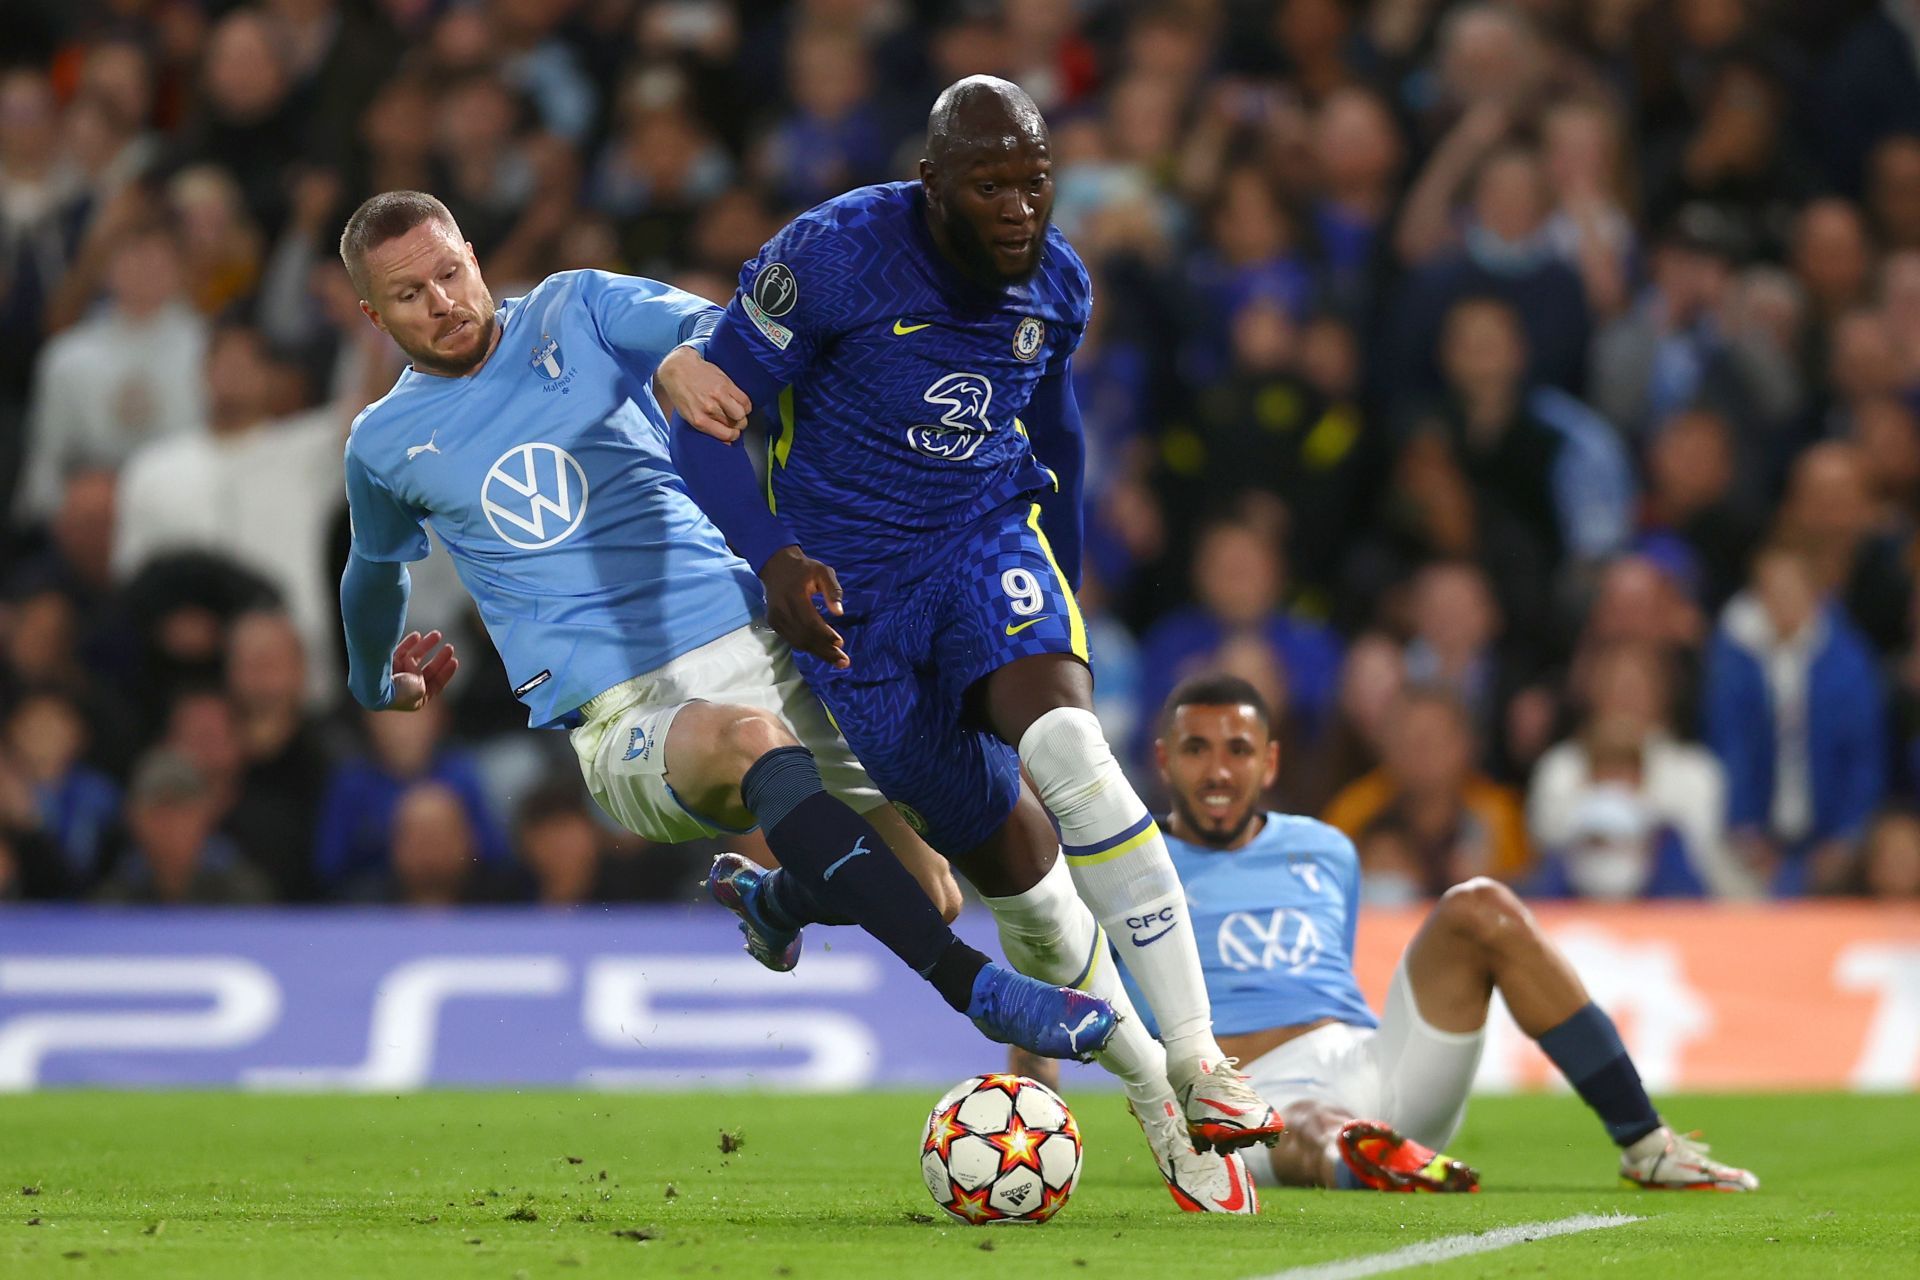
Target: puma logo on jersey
(415, 450)
(901, 328)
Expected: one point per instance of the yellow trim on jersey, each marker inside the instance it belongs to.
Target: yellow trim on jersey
(1076, 625)
(782, 447)
(1119, 850)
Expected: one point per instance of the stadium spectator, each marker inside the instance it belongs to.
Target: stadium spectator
(1447, 820)
(176, 855)
(1832, 257)
(1504, 253)
(1507, 454)
(1624, 749)
(285, 760)
(434, 853)
(1239, 583)
(1358, 155)
(352, 849)
(123, 377)
(1691, 496)
(1672, 349)
(572, 857)
(1857, 546)
(835, 136)
(1795, 711)
(1262, 428)
(254, 486)
(1591, 228)
(1614, 850)
(1893, 190)
(1371, 679)
(76, 806)
(246, 120)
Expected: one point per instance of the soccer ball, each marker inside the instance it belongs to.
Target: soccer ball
(1000, 1148)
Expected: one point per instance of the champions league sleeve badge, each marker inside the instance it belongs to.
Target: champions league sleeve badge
(775, 291)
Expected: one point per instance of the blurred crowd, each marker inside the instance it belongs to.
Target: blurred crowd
(1522, 393)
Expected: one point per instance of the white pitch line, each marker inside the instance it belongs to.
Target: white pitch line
(1446, 1248)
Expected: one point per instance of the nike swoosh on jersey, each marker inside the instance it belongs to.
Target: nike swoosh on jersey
(1013, 630)
(901, 328)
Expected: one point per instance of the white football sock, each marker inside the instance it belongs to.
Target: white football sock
(1120, 865)
(1048, 933)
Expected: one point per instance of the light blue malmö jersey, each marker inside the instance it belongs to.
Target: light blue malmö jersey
(1275, 923)
(547, 476)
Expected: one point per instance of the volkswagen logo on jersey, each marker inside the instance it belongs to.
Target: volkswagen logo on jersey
(1285, 939)
(775, 291)
(534, 496)
(965, 397)
(1028, 337)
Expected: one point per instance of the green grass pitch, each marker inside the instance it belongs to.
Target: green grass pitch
(538, 1184)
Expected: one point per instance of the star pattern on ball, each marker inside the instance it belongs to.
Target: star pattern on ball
(973, 1206)
(943, 1131)
(1006, 1082)
(1018, 1146)
(1051, 1198)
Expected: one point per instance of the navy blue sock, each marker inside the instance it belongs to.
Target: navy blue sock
(846, 868)
(1343, 1179)
(1587, 1049)
(788, 903)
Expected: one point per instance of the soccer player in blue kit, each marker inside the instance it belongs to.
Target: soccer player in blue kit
(528, 436)
(916, 338)
(1369, 1100)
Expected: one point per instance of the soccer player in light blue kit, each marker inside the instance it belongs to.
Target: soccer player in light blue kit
(1369, 1100)
(917, 337)
(529, 437)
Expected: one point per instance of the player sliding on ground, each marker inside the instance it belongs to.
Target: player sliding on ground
(1369, 1102)
(917, 338)
(528, 436)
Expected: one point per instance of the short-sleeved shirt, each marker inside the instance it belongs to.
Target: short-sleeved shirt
(547, 476)
(899, 429)
(1275, 924)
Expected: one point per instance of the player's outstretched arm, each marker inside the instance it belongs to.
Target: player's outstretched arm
(385, 670)
(1053, 428)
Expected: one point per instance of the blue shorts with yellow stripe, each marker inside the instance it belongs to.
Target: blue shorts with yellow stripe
(997, 595)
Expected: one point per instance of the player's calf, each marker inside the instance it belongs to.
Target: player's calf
(1120, 866)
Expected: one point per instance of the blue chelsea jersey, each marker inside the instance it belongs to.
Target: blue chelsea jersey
(1275, 924)
(901, 420)
(547, 476)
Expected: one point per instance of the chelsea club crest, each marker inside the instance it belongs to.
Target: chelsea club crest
(1028, 337)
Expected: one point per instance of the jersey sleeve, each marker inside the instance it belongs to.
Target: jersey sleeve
(794, 296)
(645, 318)
(384, 527)
(1077, 284)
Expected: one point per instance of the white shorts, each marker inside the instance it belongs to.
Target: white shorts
(622, 741)
(1406, 1072)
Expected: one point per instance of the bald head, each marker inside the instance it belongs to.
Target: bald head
(988, 176)
(982, 113)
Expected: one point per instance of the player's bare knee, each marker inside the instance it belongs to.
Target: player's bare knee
(1486, 911)
(749, 733)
